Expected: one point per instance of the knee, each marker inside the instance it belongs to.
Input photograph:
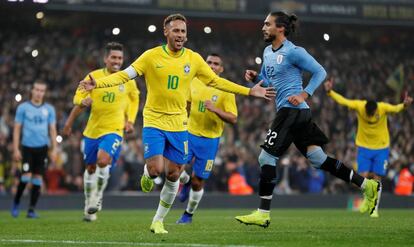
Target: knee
(316, 157)
(91, 169)
(267, 159)
(197, 183)
(26, 177)
(154, 170)
(173, 175)
(104, 160)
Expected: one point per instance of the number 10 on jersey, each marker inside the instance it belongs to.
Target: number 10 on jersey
(172, 82)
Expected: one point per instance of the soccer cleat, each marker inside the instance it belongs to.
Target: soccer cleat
(157, 227)
(146, 184)
(31, 214)
(370, 196)
(15, 210)
(255, 218)
(185, 192)
(374, 214)
(363, 208)
(186, 218)
(90, 217)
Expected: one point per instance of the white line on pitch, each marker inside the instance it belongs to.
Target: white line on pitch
(40, 241)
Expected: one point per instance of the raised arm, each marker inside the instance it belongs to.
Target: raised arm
(397, 108)
(207, 76)
(352, 104)
(137, 68)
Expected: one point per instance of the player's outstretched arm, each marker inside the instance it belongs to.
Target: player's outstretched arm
(389, 108)
(328, 85)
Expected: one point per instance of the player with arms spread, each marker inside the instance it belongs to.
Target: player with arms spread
(169, 70)
(372, 139)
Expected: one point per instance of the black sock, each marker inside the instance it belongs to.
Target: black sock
(267, 184)
(19, 193)
(34, 196)
(187, 213)
(339, 170)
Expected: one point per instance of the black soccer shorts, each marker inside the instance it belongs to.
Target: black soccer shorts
(34, 159)
(293, 125)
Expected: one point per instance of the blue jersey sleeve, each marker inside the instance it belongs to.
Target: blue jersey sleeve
(52, 115)
(19, 114)
(302, 59)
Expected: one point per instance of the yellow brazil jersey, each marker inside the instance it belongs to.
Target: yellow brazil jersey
(168, 76)
(372, 131)
(202, 122)
(110, 108)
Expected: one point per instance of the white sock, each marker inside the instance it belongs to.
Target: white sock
(194, 200)
(364, 183)
(379, 198)
(146, 173)
(184, 177)
(167, 196)
(102, 180)
(89, 185)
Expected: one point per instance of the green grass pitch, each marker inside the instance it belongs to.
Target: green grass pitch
(210, 228)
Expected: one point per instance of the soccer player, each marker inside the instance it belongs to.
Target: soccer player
(372, 139)
(168, 71)
(35, 127)
(210, 109)
(113, 110)
(283, 63)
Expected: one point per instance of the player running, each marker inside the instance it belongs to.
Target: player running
(113, 110)
(35, 125)
(283, 63)
(168, 71)
(372, 139)
(210, 109)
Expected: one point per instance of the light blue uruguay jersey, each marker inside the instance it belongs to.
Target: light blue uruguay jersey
(282, 69)
(35, 121)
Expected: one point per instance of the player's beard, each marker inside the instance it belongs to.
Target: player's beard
(269, 38)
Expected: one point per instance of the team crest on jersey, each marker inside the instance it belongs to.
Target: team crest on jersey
(187, 68)
(214, 98)
(45, 112)
(279, 59)
(122, 88)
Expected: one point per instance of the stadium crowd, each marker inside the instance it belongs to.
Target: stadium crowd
(360, 61)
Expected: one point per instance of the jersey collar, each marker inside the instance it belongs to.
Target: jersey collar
(171, 53)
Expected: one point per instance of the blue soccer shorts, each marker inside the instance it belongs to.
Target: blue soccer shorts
(110, 143)
(204, 151)
(172, 145)
(373, 160)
